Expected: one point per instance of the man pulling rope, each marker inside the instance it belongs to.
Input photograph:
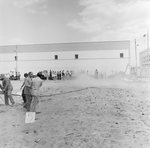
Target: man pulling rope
(7, 88)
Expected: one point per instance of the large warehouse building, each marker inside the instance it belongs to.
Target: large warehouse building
(108, 56)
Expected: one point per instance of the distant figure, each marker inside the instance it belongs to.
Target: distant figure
(63, 75)
(96, 74)
(70, 74)
(36, 84)
(7, 88)
(18, 76)
(12, 77)
(87, 72)
(67, 74)
(50, 75)
(53, 75)
(57, 75)
(23, 86)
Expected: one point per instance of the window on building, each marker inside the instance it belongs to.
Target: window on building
(121, 55)
(16, 58)
(76, 56)
(56, 57)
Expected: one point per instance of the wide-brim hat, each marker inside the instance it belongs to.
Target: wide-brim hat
(2, 76)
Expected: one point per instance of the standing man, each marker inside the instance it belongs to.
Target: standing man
(96, 74)
(23, 86)
(28, 90)
(36, 84)
(50, 75)
(7, 89)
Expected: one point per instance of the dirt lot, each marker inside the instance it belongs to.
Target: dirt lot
(92, 114)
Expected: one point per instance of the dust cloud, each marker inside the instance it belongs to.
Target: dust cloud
(88, 81)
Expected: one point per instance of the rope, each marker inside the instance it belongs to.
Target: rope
(63, 93)
(60, 93)
(56, 94)
(0, 96)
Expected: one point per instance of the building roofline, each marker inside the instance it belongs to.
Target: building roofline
(30, 44)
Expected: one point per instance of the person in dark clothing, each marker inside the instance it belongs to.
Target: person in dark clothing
(28, 90)
(50, 75)
(23, 86)
(59, 75)
(63, 75)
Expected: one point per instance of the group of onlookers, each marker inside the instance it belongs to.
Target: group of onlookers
(14, 75)
(60, 75)
(64, 75)
(56, 75)
(95, 74)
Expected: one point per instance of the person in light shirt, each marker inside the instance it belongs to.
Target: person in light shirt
(7, 89)
(36, 84)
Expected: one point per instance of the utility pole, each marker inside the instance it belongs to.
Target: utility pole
(136, 58)
(148, 52)
(129, 61)
(16, 59)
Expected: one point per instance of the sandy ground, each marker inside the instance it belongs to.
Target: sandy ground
(93, 114)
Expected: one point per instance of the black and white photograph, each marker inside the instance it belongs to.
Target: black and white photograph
(74, 74)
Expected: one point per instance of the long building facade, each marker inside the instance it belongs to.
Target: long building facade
(108, 56)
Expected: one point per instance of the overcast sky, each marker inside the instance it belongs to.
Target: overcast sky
(59, 21)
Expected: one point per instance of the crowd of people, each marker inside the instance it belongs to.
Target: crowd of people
(45, 75)
(56, 75)
(64, 75)
(14, 75)
(59, 75)
(30, 91)
(32, 83)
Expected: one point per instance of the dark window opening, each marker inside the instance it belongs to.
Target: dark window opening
(16, 58)
(76, 56)
(56, 57)
(121, 55)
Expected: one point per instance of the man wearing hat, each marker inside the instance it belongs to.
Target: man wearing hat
(7, 89)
